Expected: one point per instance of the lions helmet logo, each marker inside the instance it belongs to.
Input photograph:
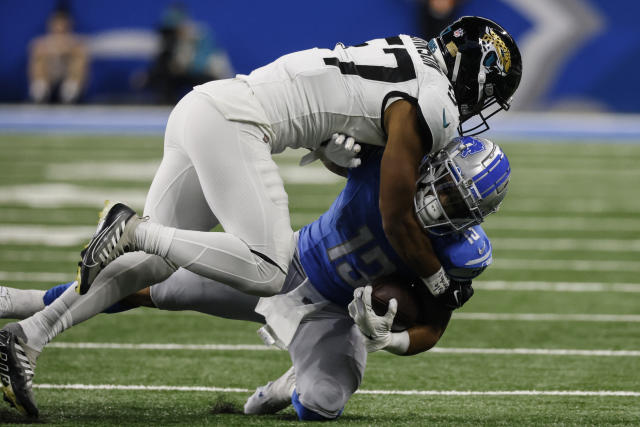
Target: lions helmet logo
(469, 146)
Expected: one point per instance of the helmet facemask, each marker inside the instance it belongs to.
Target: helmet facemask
(448, 198)
(444, 202)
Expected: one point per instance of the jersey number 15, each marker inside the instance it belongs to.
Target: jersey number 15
(373, 260)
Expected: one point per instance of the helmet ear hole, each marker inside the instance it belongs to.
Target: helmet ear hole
(502, 187)
(488, 89)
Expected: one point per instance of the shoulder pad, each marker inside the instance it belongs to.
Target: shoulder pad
(465, 255)
(437, 110)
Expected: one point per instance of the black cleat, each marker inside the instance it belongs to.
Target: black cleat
(113, 238)
(17, 366)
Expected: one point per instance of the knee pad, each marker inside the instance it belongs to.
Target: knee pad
(275, 281)
(306, 414)
(278, 282)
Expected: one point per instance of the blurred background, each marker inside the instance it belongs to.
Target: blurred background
(575, 51)
(579, 56)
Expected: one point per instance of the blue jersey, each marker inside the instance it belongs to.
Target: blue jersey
(346, 247)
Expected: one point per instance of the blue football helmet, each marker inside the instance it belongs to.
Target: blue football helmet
(461, 184)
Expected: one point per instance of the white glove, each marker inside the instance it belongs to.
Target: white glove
(341, 150)
(376, 329)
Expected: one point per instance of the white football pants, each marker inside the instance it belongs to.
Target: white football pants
(213, 171)
(219, 170)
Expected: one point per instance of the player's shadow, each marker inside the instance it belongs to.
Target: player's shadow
(10, 416)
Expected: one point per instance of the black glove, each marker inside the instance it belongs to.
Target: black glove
(458, 292)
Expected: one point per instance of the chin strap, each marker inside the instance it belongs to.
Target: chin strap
(482, 78)
(456, 67)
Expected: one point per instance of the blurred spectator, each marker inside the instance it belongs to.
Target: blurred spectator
(188, 56)
(58, 62)
(435, 15)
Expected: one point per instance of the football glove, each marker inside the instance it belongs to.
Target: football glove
(340, 149)
(456, 294)
(376, 329)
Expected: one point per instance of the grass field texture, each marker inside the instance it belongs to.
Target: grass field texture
(550, 337)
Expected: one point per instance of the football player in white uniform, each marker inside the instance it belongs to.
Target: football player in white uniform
(401, 92)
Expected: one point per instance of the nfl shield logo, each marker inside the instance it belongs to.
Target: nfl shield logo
(458, 33)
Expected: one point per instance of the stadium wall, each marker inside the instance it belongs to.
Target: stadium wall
(577, 53)
(146, 120)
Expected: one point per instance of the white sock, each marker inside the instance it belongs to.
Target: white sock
(39, 90)
(43, 326)
(154, 238)
(69, 91)
(20, 303)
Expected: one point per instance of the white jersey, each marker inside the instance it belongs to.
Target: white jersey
(307, 96)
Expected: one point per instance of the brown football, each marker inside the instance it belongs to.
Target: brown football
(386, 288)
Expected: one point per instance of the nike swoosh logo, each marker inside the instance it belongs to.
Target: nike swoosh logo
(91, 257)
(445, 124)
(455, 295)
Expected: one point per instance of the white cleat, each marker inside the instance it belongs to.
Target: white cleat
(273, 397)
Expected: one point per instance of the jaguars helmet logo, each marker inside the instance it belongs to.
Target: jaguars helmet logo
(495, 54)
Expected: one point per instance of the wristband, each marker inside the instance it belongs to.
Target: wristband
(399, 343)
(437, 283)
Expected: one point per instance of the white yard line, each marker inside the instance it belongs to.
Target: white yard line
(39, 255)
(68, 235)
(58, 195)
(490, 285)
(503, 285)
(565, 244)
(506, 222)
(540, 317)
(125, 346)
(538, 352)
(52, 278)
(45, 235)
(252, 347)
(604, 204)
(598, 393)
(143, 171)
(565, 265)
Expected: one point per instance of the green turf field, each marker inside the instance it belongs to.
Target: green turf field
(550, 337)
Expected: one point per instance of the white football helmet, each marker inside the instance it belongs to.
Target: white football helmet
(461, 184)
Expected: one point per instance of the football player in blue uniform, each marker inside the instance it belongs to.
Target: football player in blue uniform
(318, 314)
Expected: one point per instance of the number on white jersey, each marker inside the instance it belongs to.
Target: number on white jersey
(366, 55)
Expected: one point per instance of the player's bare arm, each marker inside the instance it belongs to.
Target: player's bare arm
(425, 337)
(398, 175)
